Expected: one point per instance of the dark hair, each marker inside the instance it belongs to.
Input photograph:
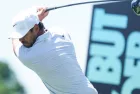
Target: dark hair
(41, 26)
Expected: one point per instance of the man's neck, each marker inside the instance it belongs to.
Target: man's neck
(41, 32)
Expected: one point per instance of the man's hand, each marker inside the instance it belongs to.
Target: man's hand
(41, 13)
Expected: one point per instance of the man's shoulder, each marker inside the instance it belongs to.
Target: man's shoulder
(57, 30)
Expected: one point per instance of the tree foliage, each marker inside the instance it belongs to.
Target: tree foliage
(8, 81)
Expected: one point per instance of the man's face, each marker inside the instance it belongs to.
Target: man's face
(29, 39)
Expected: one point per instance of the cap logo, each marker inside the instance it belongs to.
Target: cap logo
(14, 25)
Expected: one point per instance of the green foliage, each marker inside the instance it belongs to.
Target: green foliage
(3, 88)
(8, 81)
(4, 71)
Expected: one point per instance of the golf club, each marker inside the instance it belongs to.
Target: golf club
(68, 5)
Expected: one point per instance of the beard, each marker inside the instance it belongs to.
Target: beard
(28, 45)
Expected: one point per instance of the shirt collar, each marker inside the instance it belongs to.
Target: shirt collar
(44, 36)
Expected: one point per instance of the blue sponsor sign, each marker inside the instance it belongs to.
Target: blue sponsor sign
(113, 62)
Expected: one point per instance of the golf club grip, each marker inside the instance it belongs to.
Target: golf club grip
(53, 8)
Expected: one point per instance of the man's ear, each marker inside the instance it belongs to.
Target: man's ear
(36, 28)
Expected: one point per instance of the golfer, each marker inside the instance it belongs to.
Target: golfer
(48, 52)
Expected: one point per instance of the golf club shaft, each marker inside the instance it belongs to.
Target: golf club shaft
(68, 5)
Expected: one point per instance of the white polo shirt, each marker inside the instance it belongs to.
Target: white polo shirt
(53, 58)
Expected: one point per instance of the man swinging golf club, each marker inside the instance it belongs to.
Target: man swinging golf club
(50, 53)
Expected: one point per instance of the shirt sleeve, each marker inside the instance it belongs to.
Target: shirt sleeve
(21, 52)
(18, 49)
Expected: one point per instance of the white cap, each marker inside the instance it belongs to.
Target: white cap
(23, 22)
